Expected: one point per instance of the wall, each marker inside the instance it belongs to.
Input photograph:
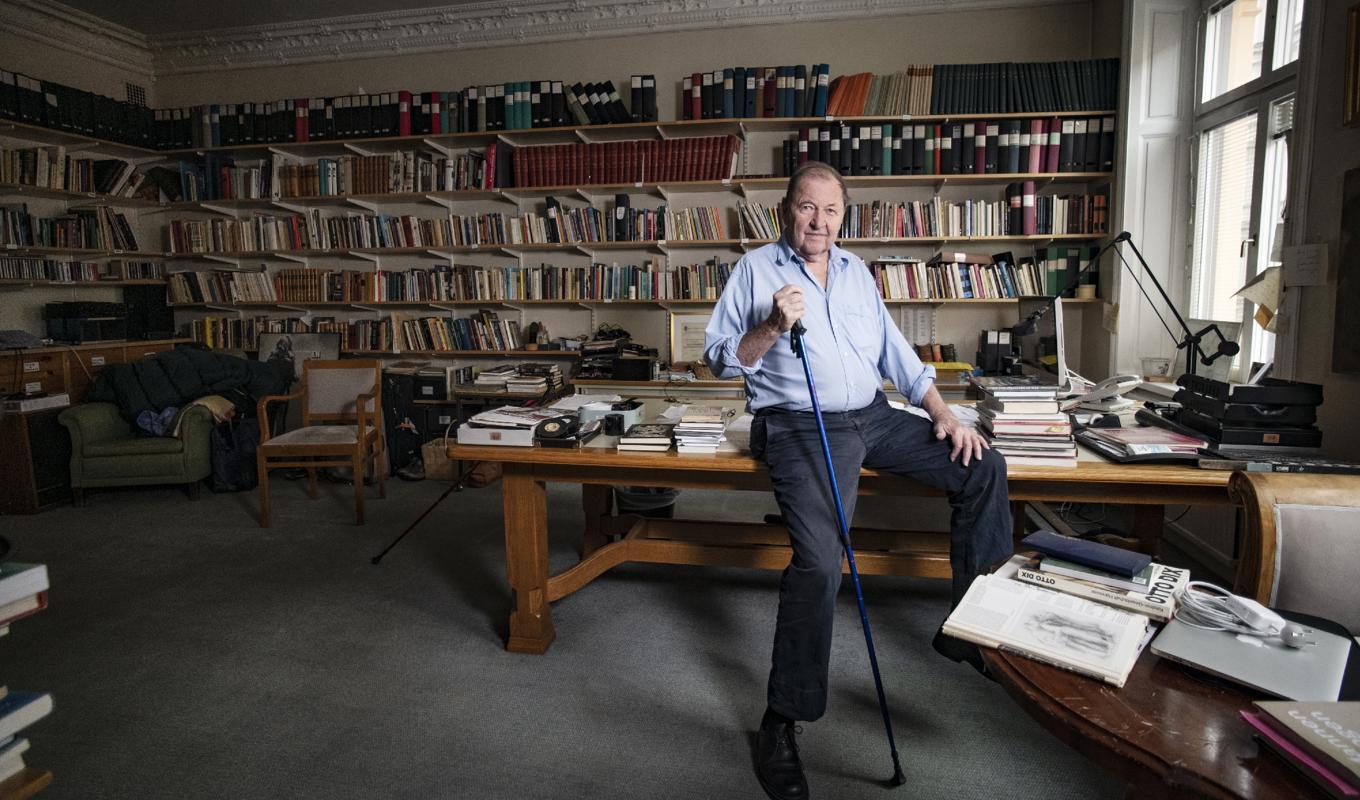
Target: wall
(1335, 149)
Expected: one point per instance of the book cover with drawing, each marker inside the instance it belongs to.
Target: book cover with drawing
(1158, 602)
(649, 433)
(1327, 731)
(1069, 632)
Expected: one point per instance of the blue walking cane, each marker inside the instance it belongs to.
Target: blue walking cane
(796, 337)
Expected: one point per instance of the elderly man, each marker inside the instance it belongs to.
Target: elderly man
(852, 344)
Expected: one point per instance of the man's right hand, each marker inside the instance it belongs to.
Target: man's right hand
(788, 308)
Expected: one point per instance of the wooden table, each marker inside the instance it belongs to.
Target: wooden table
(611, 541)
(1168, 733)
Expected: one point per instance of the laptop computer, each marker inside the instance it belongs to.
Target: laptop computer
(1312, 672)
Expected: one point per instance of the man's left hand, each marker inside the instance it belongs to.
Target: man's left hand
(967, 441)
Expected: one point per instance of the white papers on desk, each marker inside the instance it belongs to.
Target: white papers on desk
(512, 417)
(576, 402)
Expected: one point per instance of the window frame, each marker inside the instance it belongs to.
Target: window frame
(1253, 97)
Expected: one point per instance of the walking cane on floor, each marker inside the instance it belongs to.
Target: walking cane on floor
(796, 337)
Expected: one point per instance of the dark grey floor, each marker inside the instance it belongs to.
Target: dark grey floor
(193, 655)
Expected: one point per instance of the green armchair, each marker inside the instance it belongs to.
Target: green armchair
(107, 451)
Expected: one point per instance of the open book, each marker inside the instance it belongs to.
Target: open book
(1058, 629)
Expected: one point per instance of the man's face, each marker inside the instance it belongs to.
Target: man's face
(815, 217)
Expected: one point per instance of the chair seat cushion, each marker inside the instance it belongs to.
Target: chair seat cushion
(142, 445)
(318, 435)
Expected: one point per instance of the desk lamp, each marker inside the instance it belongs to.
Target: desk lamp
(1190, 342)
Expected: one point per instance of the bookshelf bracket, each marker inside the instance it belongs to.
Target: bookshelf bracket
(368, 308)
(296, 208)
(303, 310)
(229, 211)
(367, 205)
(439, 147)
(363, 151)
(238, 311)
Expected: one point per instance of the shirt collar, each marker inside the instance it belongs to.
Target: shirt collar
(784, 254)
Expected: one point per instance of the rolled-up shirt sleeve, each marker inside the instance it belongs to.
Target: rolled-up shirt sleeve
(900, 363)
(730, 321)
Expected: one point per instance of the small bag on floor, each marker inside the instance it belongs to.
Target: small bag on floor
(233, 455)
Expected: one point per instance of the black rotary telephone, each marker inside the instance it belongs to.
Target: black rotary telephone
(565, 431)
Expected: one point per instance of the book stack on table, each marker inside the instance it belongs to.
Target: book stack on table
(647, 437)
(1081, 605)
(701, 429)
(1320, 739)
(1023, 422)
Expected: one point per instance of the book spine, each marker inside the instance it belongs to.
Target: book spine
(1157, 605)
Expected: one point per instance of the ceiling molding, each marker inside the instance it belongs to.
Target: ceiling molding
(493, 24)
(74, 31)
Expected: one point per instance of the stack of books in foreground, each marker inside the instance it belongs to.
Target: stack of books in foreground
(1131, 444)
(647, 437)
(1023, 422)
(1073, 623)
(701, 429)
(23, 591)
(1318, 738)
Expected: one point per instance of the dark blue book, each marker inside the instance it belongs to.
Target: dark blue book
(1092, 554)
(20, 709)
(728, 93)
(823, 81)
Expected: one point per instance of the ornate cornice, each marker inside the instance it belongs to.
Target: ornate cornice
(74, 31)
(492, 24)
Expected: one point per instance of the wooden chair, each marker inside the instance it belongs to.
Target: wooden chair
(1298, 552)
(341, 427)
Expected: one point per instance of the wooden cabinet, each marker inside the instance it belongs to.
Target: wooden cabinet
(70, 369)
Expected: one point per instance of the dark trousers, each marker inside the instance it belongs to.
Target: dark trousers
(883, 438)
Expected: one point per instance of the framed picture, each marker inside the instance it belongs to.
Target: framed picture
(1350, 105)
(295, 348)
(687, 337)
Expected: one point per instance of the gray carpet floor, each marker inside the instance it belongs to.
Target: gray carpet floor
(192, 654)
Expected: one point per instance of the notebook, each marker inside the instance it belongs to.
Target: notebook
(1312, 672)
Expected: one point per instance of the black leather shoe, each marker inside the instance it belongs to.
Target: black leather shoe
(957, 650)
(778, 766)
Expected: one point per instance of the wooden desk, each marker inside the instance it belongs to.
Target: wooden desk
(597, 469)
(1167, 733)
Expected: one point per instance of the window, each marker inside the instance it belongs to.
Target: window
(1243, 121)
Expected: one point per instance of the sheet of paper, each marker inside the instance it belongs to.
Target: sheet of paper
(574, 402)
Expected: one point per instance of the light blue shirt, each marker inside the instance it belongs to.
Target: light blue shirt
(851, 340)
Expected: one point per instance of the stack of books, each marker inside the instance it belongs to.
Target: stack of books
(701, 429)
(23, 591)
(1317, 738)
(495, 377)
(550, 373)
(1066, 565)
(647, 437)
(526, 384)
(1023, 423)
(510, 426)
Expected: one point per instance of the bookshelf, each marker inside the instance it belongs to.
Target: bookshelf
(756, 156)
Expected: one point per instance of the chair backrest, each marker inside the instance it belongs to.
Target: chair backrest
(332, 387)
(1299, 550)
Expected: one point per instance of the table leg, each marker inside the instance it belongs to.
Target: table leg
(526, 559)
(597, 501)
(1147, 527)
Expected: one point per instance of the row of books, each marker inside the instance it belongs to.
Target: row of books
(966, 279)
(53, 105)
(53, 168)
(93, 228)
(454, 283)
(516, 105)
(57, 271)
(1025, 87)
(742, 92)
(23, 592)
(484, 331)
(238, 333)
(905, 92)
(763, 91)
(694, 158)
(1004, 147)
